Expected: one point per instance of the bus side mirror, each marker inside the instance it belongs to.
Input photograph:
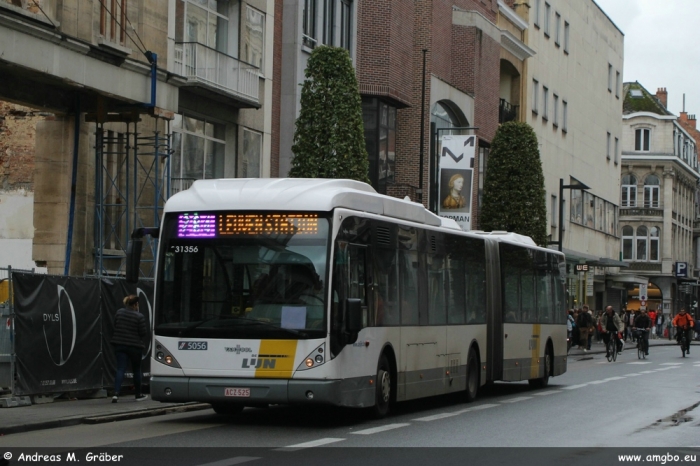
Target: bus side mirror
(353, 315)
(133, 259)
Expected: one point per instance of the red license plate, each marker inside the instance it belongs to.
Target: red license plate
(237, 392)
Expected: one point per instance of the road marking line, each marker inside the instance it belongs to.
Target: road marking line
(311, 444)
(231, 461)
(548, 392)
(573, 387)
(639, 362)
(477, 408)
(515, 400)
(665, 369)
(596, 382)
(439, 416)
(671, 364)
(375, 430)
(634, 374)
(647, 372)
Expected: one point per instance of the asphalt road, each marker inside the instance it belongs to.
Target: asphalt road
(628, 403)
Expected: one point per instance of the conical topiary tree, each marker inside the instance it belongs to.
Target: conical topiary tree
(329, 139)
(514, 194)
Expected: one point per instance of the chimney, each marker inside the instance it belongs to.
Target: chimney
(662, 95)
(693, 122)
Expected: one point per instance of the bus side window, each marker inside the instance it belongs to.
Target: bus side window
(357, 279)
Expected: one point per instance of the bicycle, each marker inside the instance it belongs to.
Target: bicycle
(641, 351)
(612, 348)
(685, 344)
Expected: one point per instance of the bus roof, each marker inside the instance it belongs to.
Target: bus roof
(297, 194)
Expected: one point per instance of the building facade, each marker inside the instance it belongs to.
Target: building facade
(659, 182)
(144, 98)
(573, 100)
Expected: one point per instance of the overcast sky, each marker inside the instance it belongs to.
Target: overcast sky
(662, 47)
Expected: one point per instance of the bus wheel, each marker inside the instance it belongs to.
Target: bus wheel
(544, 380)
(382, 398)
(227, 409)
(472, 378)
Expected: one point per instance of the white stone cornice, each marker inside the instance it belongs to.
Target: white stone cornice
(516, 46)
(629, 116)
(512, 16)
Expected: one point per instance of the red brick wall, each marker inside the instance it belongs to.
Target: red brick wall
(462, 57)
(17, 136)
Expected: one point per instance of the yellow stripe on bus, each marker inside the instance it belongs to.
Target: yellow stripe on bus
(535, 351)
(276, 359)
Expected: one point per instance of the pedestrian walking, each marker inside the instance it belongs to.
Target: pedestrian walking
(129, 333)
(584, 322)
(660, 320)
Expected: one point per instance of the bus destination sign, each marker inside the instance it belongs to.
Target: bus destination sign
(232, 224)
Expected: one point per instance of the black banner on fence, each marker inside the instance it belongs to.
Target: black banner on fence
(63, 328)
(57, 331)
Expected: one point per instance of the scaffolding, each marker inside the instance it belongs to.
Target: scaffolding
(132, 183)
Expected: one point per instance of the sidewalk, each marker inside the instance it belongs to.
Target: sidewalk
(63, 412)
(599, 347)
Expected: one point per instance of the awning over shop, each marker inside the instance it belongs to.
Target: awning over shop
(577, 255)
(605, 262)
(627, 278)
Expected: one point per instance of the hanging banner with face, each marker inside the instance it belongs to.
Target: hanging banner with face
(456, 165)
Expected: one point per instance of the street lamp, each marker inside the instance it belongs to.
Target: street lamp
(562, 187)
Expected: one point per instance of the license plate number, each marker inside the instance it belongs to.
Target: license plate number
(237, 392)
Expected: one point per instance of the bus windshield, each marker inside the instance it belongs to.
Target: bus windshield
(233, 275)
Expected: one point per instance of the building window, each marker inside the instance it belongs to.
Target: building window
(547, 9)
(654, 244)
(588, 209)
(215, 26)
(345, 24)
(535, 94)
(308, 26)
(610, 77)
(538, 5)
(112, 18)
(254, 37)
(557, 27)
(641, 139)
(545, 98)
(328, 22)
(617, 150)
(627, 243)
(629, 191)
(566, 37)
(380, 142)
(607, 146)
(564, 115)
(651, 191)
(249, 162)
(555, 115)
(641, 243)
(198, 151)
(617, 84)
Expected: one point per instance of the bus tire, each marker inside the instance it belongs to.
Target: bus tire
(227, 409)
(383, 389)
(472, 383)
(543, 381)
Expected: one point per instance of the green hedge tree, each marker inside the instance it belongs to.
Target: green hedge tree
(514, 194)
(329, 140)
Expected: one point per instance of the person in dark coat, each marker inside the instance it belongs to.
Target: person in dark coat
(129, 333)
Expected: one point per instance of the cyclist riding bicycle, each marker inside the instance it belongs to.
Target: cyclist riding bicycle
(683, 322)
(643, 323)
(612, 325)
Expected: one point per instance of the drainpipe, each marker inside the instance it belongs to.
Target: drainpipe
(153, 60)
(73, 184)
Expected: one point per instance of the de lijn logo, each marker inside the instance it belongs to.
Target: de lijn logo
(66, 329)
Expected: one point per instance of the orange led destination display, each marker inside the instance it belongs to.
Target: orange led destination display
(267, 224)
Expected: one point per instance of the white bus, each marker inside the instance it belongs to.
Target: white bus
(310, 291)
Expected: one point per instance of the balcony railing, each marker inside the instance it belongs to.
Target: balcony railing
(507, 112)
(201, 63)
(641, 212)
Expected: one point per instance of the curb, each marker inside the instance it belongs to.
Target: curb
(87, 419)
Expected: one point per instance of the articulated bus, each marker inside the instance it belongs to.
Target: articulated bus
(310, 291)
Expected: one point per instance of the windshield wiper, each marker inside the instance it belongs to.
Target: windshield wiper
(193, 326)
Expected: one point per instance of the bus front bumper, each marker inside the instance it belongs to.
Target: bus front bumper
(355, 392)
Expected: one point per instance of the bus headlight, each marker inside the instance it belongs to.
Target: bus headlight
(164, 356)
(314, 359)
